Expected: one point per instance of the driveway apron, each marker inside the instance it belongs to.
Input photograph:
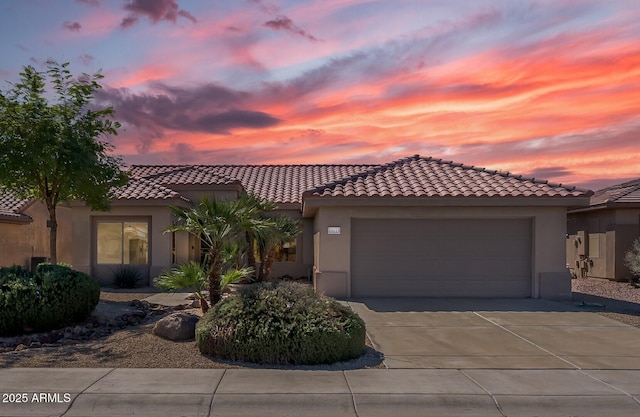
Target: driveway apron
(424, 333)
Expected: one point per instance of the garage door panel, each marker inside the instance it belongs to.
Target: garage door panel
(441, 258)
(439, 287)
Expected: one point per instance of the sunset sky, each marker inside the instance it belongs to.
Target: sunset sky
(547, 88)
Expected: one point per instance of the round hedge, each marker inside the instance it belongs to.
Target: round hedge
(53, 297)
(281, 323)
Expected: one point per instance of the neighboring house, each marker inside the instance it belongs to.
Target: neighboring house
(598, 236)
(414, 227)
(24, 236)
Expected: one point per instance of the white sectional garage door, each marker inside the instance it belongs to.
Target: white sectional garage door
(441, 258)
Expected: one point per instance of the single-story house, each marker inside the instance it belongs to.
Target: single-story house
(24, 236)
(413, 227)
(598, 236)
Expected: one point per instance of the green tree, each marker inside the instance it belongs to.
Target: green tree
(53, 151)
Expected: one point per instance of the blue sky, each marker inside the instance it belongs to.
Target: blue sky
(540, 88)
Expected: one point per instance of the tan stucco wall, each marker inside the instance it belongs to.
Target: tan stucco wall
(159, 242)
(615, 231)
(549, 230)
(21, 241)
(160, 245)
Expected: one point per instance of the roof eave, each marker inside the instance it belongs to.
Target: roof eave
(605, 206)
(310, 203)
(21, 219)
(137, 202)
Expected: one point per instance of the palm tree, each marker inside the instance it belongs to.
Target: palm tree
(252, 221)
(188, 275)
(191, 275)
(213, 222)
(284, 229)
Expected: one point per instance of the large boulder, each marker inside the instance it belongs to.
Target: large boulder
(177, 326)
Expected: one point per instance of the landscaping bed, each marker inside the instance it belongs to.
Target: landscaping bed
(134, 346)
(613, 299)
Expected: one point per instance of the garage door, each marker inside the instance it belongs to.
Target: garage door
(441, 258)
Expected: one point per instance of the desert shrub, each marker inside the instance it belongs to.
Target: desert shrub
(52, 297)
(126, 276)
(11, 273)
(281, 323)
(632, 261)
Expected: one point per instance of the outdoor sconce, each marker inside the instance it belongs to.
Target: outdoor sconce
(333, 230)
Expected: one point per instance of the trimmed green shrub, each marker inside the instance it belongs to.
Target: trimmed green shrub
(281, 323)
(51, 298)
(126, 277)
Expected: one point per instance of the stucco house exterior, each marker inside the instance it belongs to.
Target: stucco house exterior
(598, 236)
(24, 236)
(413, 227)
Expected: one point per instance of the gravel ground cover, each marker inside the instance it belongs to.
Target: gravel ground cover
(137, 347)
(616, 300)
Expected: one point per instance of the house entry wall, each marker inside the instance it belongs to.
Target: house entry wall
(478, 258)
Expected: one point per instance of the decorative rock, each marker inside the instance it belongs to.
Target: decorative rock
(140, 314)
(177, 326)
(94, 328)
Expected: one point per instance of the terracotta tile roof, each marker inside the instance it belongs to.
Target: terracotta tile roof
(143, 189)
(286, 183)
(627, 192)
(410, 177)
(281, 183)
(181, 175)
(11, 207)
(427, 177)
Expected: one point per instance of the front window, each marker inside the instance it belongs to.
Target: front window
(286, 252)
(123, 242)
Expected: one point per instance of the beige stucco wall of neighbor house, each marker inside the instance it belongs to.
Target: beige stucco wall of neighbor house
(550, 278)
(83, 232)
(22, 241)
(602, 237)
(627, 230)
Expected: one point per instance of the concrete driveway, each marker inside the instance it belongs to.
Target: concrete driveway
(496, 334)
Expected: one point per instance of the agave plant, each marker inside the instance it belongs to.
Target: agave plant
(189, 275)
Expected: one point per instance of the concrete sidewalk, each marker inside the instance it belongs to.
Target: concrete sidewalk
(367, 392)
